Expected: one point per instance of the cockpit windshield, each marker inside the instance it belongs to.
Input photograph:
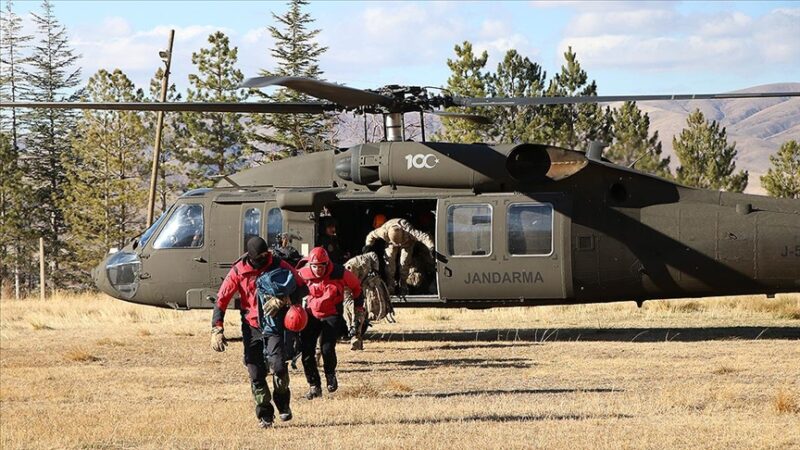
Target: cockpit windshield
(148, 233)
(184, 228)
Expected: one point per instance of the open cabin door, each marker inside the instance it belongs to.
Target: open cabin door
(503, 247)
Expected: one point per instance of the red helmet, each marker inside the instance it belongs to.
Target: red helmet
(296, 318)
(318, 255)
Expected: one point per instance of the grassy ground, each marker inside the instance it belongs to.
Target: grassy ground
(91, 372)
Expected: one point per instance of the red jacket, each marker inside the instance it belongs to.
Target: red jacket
(242, 279)
(327, 292)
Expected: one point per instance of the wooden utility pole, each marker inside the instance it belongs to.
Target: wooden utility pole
(41, 270)
(166, 56)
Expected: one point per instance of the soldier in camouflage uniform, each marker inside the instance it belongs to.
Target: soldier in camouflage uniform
(400, 237)
(355, 316)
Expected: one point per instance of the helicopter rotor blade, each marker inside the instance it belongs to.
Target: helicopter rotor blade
(522, 101)
(342, 95)
(293, 108)
(474, 118)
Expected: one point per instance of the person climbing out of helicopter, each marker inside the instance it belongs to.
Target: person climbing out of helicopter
(326, 283)
(285, 250)
(261, 343)
(329, 240)
(399, 236)
(375, 305)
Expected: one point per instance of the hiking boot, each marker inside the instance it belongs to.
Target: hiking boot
(313, 392)
(333, 383)
(265, 423)
(286, 415)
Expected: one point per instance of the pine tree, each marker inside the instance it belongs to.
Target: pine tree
(12, 75)
(213, 143)
(52, 73)
(14, 193)
(297, 54)
(466, 79)
(169, 183)
(516, 76)
(633, 144)
(15, 208)
(575, 125)
(107, 175)
(706, 158)
(783, 178)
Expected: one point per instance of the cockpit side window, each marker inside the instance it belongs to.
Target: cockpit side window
(184, 229)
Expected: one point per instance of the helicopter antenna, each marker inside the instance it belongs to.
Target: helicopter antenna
(630, 166)
(228, 179)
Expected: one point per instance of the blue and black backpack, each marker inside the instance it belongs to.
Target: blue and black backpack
(277, 282)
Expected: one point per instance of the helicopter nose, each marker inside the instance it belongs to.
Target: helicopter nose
(100, 279)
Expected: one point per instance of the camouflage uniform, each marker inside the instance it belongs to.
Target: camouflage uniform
(400, 238)
(361, 266)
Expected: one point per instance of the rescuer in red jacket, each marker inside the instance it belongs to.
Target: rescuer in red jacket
(326, 282)
(241, 279)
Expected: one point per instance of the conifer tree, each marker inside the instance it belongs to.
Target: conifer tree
(213, 143)
(51, 76)
(574, 126)
(516, 76)
(106, 175)
(633, 144)
(297, 53)
(15, 204)
(13, 44)
(706, 158)
(15, 208)
(466, 79)
(783, 177)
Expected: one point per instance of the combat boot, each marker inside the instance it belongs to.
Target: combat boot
(333, 383)
(314, 391)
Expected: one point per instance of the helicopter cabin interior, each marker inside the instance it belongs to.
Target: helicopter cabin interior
(354, 220)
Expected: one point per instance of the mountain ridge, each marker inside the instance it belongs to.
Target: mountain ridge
(759, 126)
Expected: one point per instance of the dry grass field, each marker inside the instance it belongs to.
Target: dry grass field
(92, 372)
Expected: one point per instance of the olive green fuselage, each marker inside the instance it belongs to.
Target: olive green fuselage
(514, 225)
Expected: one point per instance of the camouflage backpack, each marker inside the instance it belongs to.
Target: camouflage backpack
(376, 299)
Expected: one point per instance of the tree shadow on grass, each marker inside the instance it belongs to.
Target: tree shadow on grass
(471, 418)
(505, 392)
(678, 334)
(424, 364)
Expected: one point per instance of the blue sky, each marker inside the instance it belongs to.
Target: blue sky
(627, 47)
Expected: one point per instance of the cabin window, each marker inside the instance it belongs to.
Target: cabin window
(530, 229)
(184, 228)
(469, 230)
(274, 225)
(251, 225)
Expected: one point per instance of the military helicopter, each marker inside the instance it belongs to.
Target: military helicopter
(513, 224)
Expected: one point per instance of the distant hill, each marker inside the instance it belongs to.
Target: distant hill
(758, 126)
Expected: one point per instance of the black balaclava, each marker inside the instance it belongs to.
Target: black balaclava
(255, 247)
